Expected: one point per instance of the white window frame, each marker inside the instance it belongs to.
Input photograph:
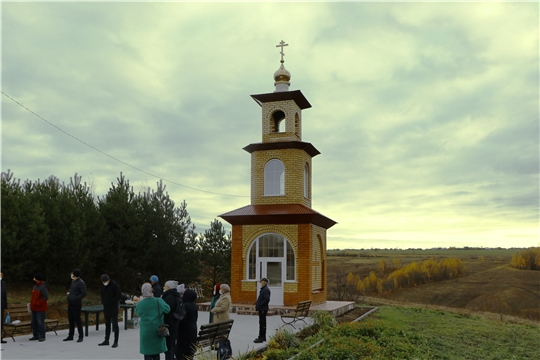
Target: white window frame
(255, 247)
(271, 180)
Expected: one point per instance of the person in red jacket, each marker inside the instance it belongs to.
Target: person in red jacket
(38, 306)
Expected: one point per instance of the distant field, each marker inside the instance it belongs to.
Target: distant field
(489, 284)
(494, 253)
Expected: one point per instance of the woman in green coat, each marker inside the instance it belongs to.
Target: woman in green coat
(150, 311)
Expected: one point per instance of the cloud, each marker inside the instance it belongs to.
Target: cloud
(426, 114)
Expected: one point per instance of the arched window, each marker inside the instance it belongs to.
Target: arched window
(316, 264)
(274, 178)
(291, 267)
(252, 270)
(306, 181)
(271, 246)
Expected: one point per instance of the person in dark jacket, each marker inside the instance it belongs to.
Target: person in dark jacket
(187, 327)
(110, 296)
(4, 303)
(170, 296)
(38, 306)
(262, 307)
(76, 293)
(154, 280)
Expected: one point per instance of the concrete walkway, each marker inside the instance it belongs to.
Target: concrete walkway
(244, 331)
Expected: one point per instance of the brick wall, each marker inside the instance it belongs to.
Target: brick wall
(294, 161)
(305, 239)
(291, 130)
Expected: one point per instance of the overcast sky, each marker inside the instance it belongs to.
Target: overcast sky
(426, 114)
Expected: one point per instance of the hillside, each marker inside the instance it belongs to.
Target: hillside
(489, 283)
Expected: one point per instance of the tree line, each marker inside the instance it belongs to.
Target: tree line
(352, 287)
(527, 259)
(52, 228)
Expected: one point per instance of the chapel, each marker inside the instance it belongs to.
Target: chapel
(279, 236)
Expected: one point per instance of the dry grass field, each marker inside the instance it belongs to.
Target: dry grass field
(489, 284)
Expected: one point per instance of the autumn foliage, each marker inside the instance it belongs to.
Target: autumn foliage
(415, 273)
(527, 259)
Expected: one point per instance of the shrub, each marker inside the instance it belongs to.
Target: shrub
(274, 354)
(355, 340)
(283, 339)
(323, 319)
(250, 355)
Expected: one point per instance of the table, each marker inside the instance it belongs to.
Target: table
(126, 308)
(94, 309)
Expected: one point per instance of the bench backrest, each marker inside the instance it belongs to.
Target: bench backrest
(302, 309)
(209, 334)
(19, 312)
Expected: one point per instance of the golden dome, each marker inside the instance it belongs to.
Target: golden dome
(282, 75)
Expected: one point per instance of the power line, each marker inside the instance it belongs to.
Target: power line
(112, 157)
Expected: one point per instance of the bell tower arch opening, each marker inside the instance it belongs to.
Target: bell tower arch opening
(277, 119)
(297, 126)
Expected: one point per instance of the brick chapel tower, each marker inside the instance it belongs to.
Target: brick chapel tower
(279, 236)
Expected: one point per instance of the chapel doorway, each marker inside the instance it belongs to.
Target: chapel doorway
(271, 256)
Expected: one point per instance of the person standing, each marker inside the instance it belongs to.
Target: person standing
(110, 296)
(76, 293)
(38, 306)
(223, 305)
(4, 304)
(171, 297)
(262, 307)
(215, 297)
(150, 310)
(154, 280)
(187, 327)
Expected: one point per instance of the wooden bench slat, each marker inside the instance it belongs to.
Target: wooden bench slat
(211, 334)
(214, 334)
(299, 314)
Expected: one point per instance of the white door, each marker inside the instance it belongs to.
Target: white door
(272, 269)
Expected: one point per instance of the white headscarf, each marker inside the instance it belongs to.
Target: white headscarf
(171, 284)
(147, 291)
(181, 289)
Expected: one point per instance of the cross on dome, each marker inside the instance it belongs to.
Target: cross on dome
(282, 76)
(281, 45)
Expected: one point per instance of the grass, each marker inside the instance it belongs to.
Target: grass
(413, 333)
(454, 336)
(57, 295)
(57, 302)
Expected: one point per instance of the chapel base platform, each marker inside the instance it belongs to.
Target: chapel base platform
(335, 307)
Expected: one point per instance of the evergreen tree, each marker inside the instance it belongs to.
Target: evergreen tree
(168, 232)
(216, 253)
(122, 257)
(25, 237)
(64, 217)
